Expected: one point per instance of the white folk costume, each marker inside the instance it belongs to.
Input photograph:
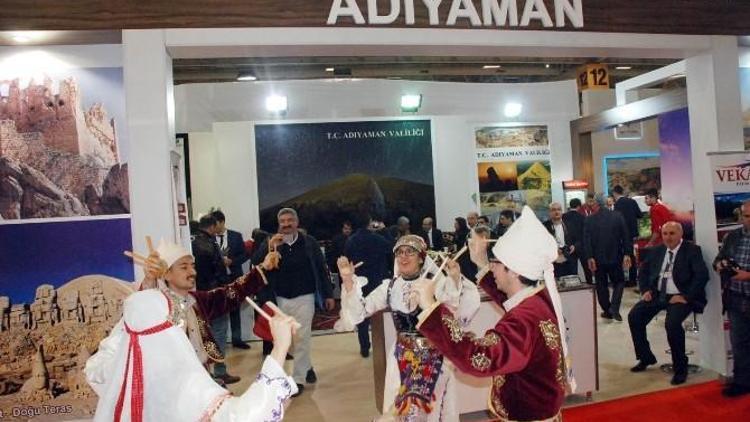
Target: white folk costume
(155, 375)
(417, 379)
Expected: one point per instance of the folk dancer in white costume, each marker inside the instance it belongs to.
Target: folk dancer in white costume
(418, 383)
(148, 368)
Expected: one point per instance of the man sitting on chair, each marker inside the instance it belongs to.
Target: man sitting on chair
(673, 277)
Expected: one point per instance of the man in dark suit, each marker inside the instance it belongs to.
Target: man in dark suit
(210, 274)
(433, 237)
(607, 250)
(337, 245)
(673, 278)
(567, 256)
(631, 212)
(574, 220)
(233, 252)
(375, 253)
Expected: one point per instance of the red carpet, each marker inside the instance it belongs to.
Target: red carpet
(702, 402)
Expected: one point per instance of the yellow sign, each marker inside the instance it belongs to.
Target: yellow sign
(593, 76)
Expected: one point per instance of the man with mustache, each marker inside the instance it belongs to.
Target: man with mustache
(171, 269)
(301, 282)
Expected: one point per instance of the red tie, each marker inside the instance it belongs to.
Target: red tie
(136, 393)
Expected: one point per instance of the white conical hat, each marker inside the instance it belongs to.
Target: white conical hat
(170, 252)
(527, 248)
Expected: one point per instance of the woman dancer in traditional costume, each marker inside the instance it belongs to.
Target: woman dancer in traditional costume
(417, 379)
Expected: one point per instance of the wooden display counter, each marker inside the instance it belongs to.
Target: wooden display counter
(579, 310)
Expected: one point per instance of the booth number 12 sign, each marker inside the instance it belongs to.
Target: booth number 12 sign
(593, 76)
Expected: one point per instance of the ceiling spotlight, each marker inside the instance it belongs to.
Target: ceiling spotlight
(21, 38)
(624, 67)
(491, 66)
(410, 103)
(246, 77)
(512, 110)
(330, 69)
(546, 66)
(276, 104)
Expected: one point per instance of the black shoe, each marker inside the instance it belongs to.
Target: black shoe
(617, 317)
(229, 379)
(311, 378)
(735, 390)
(300, 389)
(241, 345)
(289, 357)
(365, 353)
(606, 315)
(679, 378)
(643, 364)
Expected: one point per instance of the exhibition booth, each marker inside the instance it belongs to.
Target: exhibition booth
(89, 145)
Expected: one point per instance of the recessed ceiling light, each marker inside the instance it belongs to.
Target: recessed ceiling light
(276, 103)
(624, 67)
(491, 66)
(21, 38)
(512, 110)
(410, 103)
(546, 65)
(330, 69)
(247, 77)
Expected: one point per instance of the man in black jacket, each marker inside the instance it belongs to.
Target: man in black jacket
(433, 237)
(631, 212)
(733, 263)
(574, 220)
(607, 250)
(567, 259)
(375, 253)
(673, 278)
(301, 281)
(232, 248)
(210, 274)
(209, 265)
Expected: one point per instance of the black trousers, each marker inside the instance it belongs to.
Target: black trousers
(604, 274)
(586, 272)
(639, 317)
(363, 334)
(236, 324)
(739, 334)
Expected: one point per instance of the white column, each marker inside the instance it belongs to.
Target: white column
(715, 125)
(150, 111)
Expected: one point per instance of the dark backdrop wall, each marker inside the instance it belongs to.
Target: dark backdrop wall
(330, 171)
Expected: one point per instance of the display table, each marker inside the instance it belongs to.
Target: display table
(579, 310)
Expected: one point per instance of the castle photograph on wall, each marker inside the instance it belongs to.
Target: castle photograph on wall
(62, 145)
(64, 223)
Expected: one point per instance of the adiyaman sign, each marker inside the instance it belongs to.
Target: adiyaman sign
(492, 13)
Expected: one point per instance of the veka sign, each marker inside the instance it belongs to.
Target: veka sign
(492, 13)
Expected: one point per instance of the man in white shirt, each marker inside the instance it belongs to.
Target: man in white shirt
(432, 237)
(567, 258)
(673, 277)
